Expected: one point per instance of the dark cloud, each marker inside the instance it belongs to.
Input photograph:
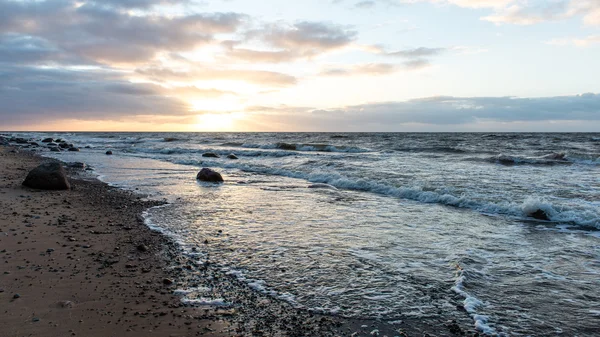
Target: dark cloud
(107, 34)
(437, 112)
(38, 95)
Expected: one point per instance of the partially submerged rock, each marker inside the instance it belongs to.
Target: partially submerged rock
(232, 156)
(77, 164)
(74, 149)
(47, 140)
(540, 215)
(210, 155)
(48, 176)
(108, 152)
(209, 175)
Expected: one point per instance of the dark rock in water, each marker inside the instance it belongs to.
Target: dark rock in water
(207, 174)
(22, 141)
(108, 152)
(232, 156)
(64, 145)
(47, 140)
(170, 139)
(48, 176)
(52, 145)
(59, 140)
(74, 149)
(77, 164)
(210, 155)
(88, 147)
(540, 215)
(286, 146)
(34, 144)
(54, 149)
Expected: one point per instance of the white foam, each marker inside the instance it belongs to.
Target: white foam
(471, 304)
(218, 302)
(586, 215)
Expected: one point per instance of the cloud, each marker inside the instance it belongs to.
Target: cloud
(261, 77)
(106, 34)
(523, 12)
(365, 4)
(579, 42)
(193, 91)
(417, 52)
(436, 112)
(37, 95)
(361, 69)
(286, 43)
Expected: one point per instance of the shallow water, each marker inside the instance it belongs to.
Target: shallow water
(419, 225)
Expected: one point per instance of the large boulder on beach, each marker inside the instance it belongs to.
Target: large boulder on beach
(209, 175)
(48, 176)
(210, 155)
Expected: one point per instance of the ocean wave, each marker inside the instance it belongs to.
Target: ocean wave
(584, 215)
(554, 158)
(471, 304)
(304, 147)
(220, 152)
(434, 149)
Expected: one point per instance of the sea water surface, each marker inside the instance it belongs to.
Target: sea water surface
(383, 225)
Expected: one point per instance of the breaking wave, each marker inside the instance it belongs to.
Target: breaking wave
(585, 215)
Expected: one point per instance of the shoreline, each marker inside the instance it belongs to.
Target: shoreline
(117, 285)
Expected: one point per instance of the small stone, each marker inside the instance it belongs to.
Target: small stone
(15, 296)
(35, 319)
(142, 248)
(108, 152)
(167, 282)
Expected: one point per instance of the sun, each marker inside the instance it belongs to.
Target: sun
(214, 122)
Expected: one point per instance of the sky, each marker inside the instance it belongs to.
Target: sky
(275, 65)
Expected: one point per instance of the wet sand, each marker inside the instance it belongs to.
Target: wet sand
(82, 263)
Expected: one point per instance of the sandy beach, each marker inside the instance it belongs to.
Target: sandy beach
(81, 262)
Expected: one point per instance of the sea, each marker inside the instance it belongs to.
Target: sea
(501, 229)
